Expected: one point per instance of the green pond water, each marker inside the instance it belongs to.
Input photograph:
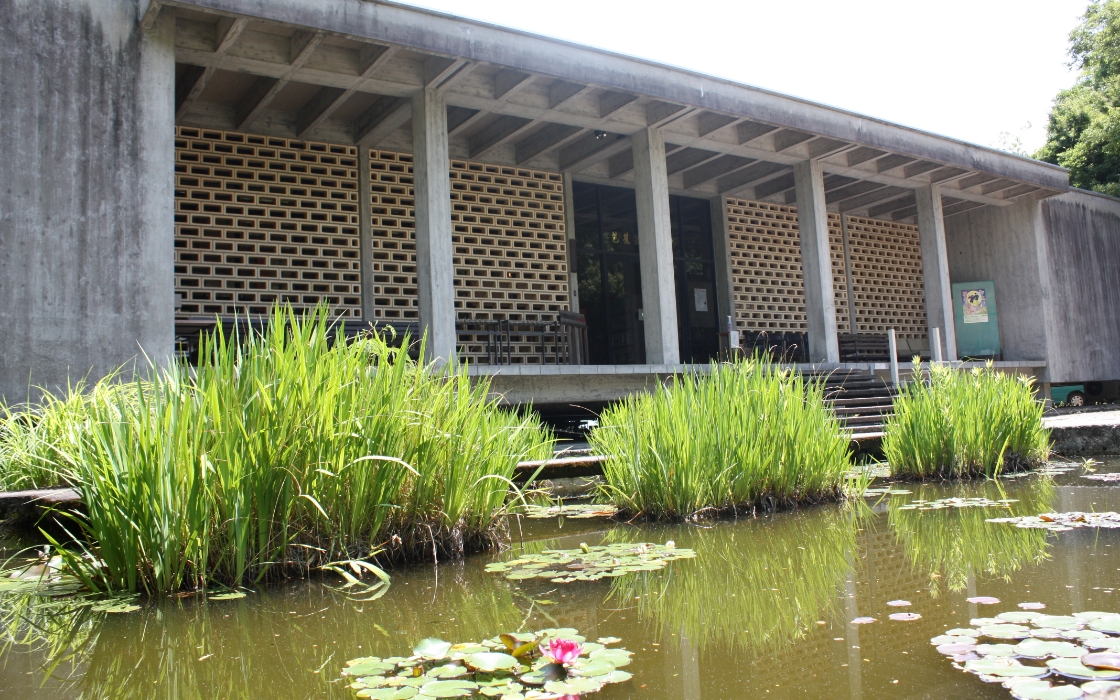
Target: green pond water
(763, 610)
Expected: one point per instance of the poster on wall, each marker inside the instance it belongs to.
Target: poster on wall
(700, 296)
(975, 302)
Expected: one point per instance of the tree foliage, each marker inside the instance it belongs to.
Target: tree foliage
(1083, 132)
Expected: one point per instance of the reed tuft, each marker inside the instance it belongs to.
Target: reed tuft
(955, 424)
(284, 450)
(743, 435)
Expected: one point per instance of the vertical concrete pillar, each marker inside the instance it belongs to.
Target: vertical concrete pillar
(570, 233)
(87, 204)
(816, 262)
(655, 243)
(432, 182)
(935, 270)
(725, 283)
(365, 226)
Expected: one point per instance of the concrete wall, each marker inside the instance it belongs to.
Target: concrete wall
(1006, 245)
(86, 219)
(1083, 247)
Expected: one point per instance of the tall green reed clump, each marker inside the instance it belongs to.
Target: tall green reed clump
(743, 434)
(284, 451)
(965, 423)
(30, 435)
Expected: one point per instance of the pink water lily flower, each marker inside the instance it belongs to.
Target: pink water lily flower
(561, 651)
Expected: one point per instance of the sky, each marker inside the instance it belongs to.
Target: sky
(983, 71)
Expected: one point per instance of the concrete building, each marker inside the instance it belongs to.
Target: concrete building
(171, 160)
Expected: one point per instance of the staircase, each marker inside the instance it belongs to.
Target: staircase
(860, 400)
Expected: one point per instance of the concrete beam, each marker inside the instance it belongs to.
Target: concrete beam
(777, 185)
(891, 206)
(816, 262)
(302, 45)
(383, 117)
(544, 139)
(561, 91)
(495, 134)
(431, 164)
(655, 247)
(862, 154)
(226, 33)
(713, 169)
(590, 149)
(438, 69)
(371, 57)
(788, 138)
(506, 82)
(730, 184)
(611, 102)
(935, 269)
(685, 158)
(659, 113)
(708, 122)
(749, 131)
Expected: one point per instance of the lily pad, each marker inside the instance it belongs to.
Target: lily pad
(1104, 643)
(1018, 617)
(983, 600)
(618, 657)
(1006, 631)
(1038, 649)
(447, 671)
(591, 563)
(491, 661)
(955, 649)
(1099, 686)
(1106, 660)
(432, 648)
(1073, 668)
(448, 689)
(943, 639)
(1042, 690)
(1059, 622)
(1110, 624)
(573, 686)
(995, 649)
(1032, 606)
(1004, 667)
(863, 621)
(232, 595)
(576, 511)
(898, 603)
(905, 617)
(403, 693)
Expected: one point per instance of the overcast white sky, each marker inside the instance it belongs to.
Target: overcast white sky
(969, 69)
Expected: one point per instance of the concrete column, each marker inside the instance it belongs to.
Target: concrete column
(816, 262)
(655, 243)
(725, 283)
(570, 233)
(432, 181)
(935, 270)
(87, 203)
(365, 226)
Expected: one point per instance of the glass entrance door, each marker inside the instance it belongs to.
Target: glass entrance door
(610, 280)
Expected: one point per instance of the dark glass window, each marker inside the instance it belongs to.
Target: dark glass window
(610, 284)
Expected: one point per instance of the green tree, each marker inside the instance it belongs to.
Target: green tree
(1083, 131)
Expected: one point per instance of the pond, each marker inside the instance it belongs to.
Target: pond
(763, 610)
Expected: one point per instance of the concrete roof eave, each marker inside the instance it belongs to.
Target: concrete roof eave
(435, 32)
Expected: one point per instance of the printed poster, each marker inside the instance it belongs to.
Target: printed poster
(700, 296)
(975, 305)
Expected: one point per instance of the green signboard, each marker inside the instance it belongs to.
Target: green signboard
(977, 322)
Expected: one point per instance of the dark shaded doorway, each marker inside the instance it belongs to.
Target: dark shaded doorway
(610, 283)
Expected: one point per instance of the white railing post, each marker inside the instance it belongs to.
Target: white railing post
(935, 344)
(893, 343)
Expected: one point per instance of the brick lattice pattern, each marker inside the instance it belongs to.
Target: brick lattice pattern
(887, 277)
(766, 267)
(260, 219)
(263, 219)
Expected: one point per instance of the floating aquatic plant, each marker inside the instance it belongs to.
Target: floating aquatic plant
(1114, 476)
(1077, 651)
(591, 563)
(1060, 522)
(575, 511)
(551, 663)
(941, 503)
